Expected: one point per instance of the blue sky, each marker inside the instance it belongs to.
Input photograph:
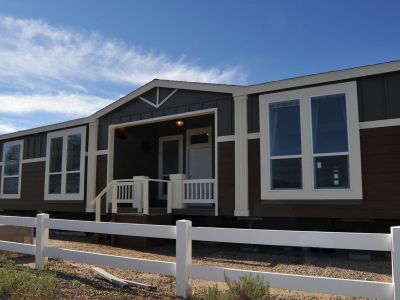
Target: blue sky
(61, 60)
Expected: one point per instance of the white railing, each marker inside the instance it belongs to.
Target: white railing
(198, 191)
(184, 270)
(134, 191)
(124, 191)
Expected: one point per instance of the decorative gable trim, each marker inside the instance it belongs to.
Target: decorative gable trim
(158, 103)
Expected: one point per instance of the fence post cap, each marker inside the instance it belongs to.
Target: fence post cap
(42, 215)
(183, 221)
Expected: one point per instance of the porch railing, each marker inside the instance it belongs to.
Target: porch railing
(199, 191)
(124, 191)
(134, 191)
(180, 191)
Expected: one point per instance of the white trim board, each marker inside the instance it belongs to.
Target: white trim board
(33, 160)
(102, 152)
(380, 123)
(166, 118)
(225, 138)
(325, 77)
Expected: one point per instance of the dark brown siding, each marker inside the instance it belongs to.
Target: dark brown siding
(380, 155)
(181, 102)
(101, 177)
(378, 99)
(32, 193)
(226, 178)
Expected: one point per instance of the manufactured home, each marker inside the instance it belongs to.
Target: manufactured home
(321, 149)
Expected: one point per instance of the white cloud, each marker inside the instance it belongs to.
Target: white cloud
(50, 74)
(7, 128)
(32, 50)
(73, 105)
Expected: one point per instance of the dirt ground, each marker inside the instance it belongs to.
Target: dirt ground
(77, 281)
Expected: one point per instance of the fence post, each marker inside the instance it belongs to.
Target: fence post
(395, 231)
(42, 238)
(183, 258)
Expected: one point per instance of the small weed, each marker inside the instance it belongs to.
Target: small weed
(246, 288)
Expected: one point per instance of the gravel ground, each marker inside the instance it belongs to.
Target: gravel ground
(77, 279)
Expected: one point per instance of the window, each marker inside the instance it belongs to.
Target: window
(65, 162)
(285, 145)
(330, 141)
(310, 144)
(11, 171)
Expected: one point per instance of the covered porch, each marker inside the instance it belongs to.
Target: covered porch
(163, 165)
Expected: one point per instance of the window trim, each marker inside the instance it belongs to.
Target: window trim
(21, 155)
(308, 191)
(63, 196)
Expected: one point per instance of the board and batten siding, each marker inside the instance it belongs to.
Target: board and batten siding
(182, 101)
(378, 99)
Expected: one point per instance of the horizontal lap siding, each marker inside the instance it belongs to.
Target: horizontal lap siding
(380, 154)
(32, 193)
(226, 178)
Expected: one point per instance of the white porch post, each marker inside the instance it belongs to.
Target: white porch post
(241, 159)
(91, 167)
(138, 192)
(177, 190)
(110, 159)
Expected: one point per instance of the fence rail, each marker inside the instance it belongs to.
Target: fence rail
(184, 270)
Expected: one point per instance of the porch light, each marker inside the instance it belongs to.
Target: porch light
(179, 123)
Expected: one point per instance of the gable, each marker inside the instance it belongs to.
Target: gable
(170, 102)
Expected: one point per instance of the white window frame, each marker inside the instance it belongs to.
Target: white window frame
(63, 196)
(308, 191)
(18, 195)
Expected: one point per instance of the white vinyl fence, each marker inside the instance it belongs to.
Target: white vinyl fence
(184, 270)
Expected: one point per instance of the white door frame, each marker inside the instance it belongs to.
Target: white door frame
(161, 140)
(189, 132)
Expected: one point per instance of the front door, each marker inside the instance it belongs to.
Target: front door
(199, 153)
(170, 160)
